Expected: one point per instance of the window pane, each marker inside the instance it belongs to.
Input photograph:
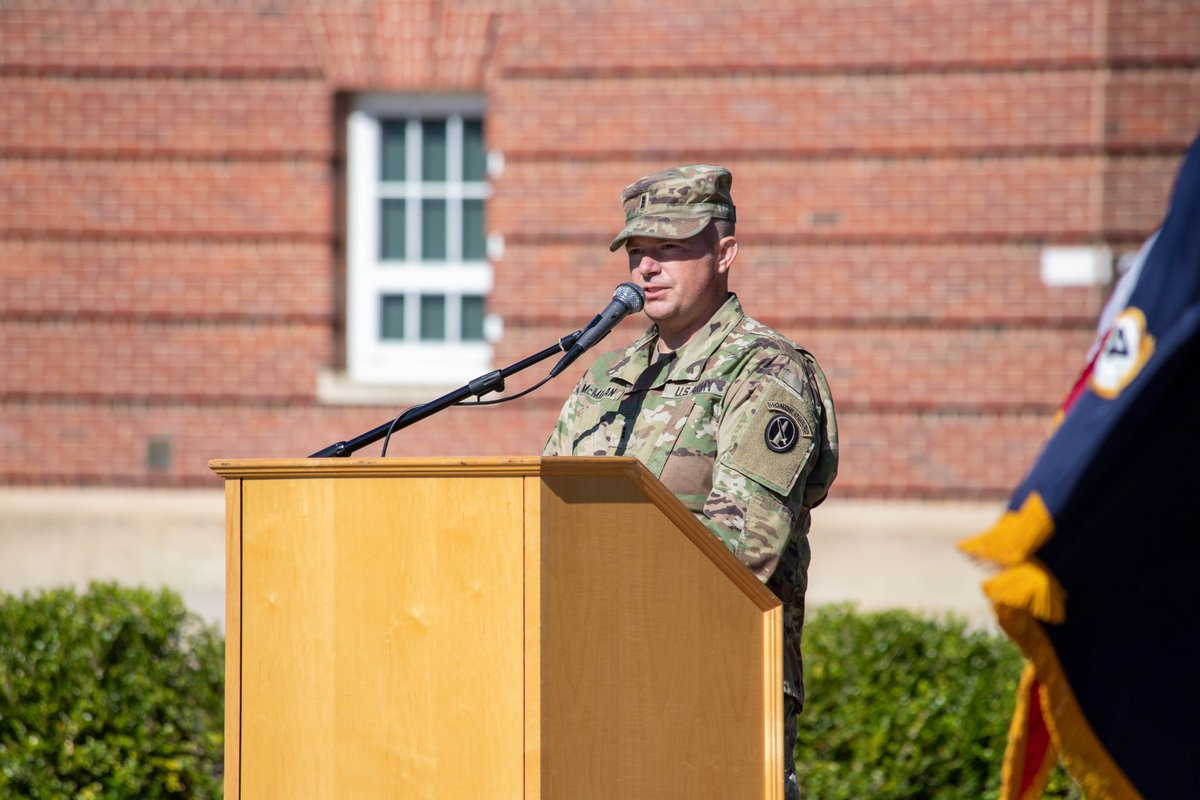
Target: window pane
(473, 243)
(391, 317)
(392, 151)
(474, 164)
(433, 317)
(391, 229)
(433, 150)
(472, 319)
(433, 230)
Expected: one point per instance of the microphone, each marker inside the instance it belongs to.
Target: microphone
(628, 298)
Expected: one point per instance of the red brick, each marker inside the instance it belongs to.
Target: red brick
(169, 199)
(1154, 32)
(902, 369)
(259, 38)
(155, 118)
(171, 222)
(184, 281)
(681, 37)
(798, 115)
(1136, 192)
(158, 361)
(884, 454)
(814, 284)
(830, 200)
(106, 443)
(1153, 109)
(936, 454)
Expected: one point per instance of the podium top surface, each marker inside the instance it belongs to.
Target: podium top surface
(414, 467)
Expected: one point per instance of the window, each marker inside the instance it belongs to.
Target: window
(418, 276)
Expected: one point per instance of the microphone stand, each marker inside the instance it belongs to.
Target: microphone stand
(484, 384)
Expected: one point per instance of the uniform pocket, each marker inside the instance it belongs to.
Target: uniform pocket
(688, 450)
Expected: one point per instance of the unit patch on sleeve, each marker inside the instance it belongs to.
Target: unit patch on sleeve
(782, 433)
(774, 443)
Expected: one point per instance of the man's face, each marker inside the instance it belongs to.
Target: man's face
(684, 279)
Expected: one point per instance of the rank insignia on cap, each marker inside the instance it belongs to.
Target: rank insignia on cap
(781, 433)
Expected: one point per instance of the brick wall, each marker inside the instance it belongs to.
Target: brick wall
(171, 242)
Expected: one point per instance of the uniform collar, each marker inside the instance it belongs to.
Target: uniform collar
(690, 359)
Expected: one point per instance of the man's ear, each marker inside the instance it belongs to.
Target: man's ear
(727, 250)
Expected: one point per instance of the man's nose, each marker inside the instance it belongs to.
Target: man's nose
(647, 266)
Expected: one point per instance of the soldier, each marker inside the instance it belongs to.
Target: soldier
(731, 416)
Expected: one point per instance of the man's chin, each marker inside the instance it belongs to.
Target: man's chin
(658, 310)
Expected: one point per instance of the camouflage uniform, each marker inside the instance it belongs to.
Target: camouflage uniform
(738, 422)
(739, 425)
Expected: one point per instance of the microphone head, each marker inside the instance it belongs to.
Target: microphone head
(631, 296)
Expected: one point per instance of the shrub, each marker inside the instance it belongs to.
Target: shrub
(902, 706)
(113, 693)
(118, 693)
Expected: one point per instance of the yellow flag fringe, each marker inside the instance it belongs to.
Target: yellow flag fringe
(1012, 771)
(1070, 733)
(1024, 595)
(1016, 537)
(1031, 588)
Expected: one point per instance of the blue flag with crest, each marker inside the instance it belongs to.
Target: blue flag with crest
(1099, 551)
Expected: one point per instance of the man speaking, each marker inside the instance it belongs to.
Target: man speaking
(733, 417)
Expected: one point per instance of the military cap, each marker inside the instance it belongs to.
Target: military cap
(676, 203)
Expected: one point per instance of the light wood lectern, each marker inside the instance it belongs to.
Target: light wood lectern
(529, 628)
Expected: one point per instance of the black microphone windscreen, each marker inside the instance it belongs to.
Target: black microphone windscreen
(631, 295)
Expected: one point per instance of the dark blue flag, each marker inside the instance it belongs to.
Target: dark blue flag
(1100, 548)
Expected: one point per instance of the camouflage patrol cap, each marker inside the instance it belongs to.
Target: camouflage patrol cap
(676, 203)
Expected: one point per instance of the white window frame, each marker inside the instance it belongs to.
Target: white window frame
(370, 359)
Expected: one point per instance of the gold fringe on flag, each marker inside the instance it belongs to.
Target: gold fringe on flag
(1016, 537)
(1015, 773)
(1070, 733)
(1025, 595)
(1031, 588)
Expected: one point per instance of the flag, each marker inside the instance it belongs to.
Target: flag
(1099, 550)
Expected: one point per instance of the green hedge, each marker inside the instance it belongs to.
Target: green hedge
(112, 693)
(901, 706)
(117, 693)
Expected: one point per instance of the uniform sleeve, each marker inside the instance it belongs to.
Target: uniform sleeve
(559, 443)
(769, 440)
(561, 438)
(570, 423)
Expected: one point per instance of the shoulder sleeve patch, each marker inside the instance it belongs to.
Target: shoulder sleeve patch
(773, 436)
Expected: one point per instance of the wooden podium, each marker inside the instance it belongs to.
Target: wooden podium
(556, 628)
